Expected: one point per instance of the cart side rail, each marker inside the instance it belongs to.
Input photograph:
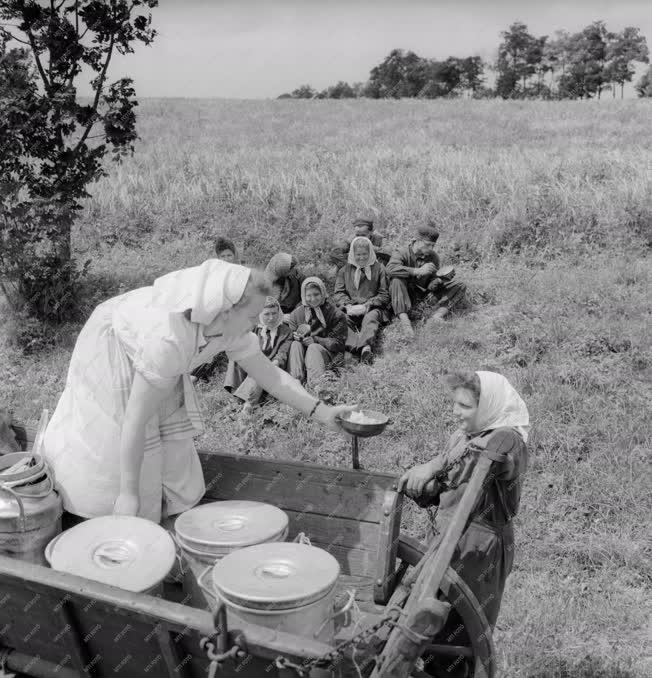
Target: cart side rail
(57, 624)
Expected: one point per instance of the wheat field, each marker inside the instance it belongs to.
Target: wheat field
(546, 211)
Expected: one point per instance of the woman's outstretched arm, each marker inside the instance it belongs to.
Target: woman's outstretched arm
(289, 391)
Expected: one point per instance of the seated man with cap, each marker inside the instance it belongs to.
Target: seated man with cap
(413, 273)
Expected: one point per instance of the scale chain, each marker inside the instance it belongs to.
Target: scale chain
(330, 659)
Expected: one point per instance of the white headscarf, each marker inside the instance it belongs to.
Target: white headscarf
(371, 260)
(317, 282)
(500, 405)
(207, 290)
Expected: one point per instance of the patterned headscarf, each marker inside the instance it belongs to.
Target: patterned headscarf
(371, 260)
(313, 281)
(271, 302)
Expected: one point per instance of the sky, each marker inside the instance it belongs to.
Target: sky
(256, 49)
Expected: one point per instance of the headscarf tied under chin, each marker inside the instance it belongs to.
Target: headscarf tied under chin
(316, 282)
(207, 290)
(269, 303)
(371, 260)
(500, 405)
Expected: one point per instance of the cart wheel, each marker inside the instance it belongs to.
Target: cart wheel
(464, 647)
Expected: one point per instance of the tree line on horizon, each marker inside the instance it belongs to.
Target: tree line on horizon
(567, 65)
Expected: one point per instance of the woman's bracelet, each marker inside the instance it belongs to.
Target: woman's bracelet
(314, 408)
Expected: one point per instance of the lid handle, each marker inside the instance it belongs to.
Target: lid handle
(276, 570)
(112, 555)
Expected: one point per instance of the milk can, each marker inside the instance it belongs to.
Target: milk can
(30, 509)
(285, 586)
(131, 553)
(211, 531)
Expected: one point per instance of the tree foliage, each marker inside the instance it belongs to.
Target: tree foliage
(579, 65)
(53, 144)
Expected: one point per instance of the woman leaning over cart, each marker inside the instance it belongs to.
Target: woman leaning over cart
(121, 437)
(491, 416)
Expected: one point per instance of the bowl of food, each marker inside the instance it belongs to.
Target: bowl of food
(364, 423)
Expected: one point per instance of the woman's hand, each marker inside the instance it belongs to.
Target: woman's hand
(306, 341)
(328, 416)
(127, 504)
(414, 480)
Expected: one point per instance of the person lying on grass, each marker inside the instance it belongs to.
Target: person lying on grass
(319, 333)
(286, 279)
(275, 338)
(362, 292)
(491, 416)
(121, 437)
(413, 279)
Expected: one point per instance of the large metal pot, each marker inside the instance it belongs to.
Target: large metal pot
(211, 531)
(30, 509)
(285, 586)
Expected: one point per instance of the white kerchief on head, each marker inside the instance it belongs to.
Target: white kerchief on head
(207, 290)
(371, 260)
(318, 282)
(500, 405)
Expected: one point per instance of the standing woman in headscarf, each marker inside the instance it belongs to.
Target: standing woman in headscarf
(120, 440)
(491, 416)
(286, 279)
(275, 338)
(362, 292)
(319, 332)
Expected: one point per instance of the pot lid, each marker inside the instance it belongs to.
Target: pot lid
(278, 575)
(224, 525)
(131, 553)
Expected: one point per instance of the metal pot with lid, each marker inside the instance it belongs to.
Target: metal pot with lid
(285, 586)
(131, 553)
(211, 531)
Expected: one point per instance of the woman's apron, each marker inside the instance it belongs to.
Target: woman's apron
(82, 442)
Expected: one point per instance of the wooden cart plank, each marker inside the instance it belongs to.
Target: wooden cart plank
(295, 486)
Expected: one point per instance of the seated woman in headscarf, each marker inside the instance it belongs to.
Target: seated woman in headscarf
(493, 417)
(121, 438)
(275, 338)
(362, 292)
(286, 278)
(319, 333)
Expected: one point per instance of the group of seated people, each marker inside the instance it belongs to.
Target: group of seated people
(305, 330)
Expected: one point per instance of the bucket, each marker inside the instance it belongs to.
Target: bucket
(131, 553)
(284, 586)
(211, 531)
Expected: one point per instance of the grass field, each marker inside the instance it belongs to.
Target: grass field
(546, 211)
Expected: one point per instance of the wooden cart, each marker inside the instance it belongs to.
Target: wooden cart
(55, 624)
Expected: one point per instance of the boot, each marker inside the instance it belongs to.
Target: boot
(366, 355)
